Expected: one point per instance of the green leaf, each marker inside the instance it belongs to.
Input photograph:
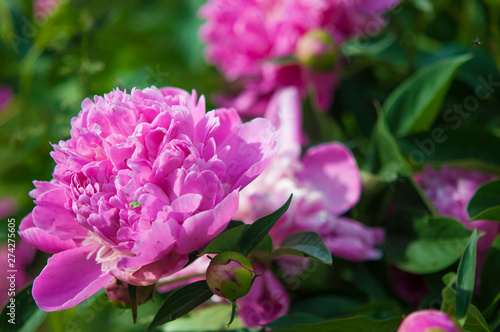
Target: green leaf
(456, 145)
(26, 314)
(465, 276)
(259, 229)
(435, 244)
(358, 324)
(489, 275)
(180, 302)
(475, 321)
(306, 244)
(390, 158)
(209, 318)
(485, 205)
(229, 240)
(414, 105)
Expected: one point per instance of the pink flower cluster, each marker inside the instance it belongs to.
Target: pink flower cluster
(325, 183)
(145, 179)
(247, 38)
(450, 190)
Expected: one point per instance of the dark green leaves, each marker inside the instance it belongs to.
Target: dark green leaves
(413, 106)
(259, 229)
(180, 302)
(229, 241)
(308, 323)
(305, 244)
(485, 205)
(435, 244)
(465, 277)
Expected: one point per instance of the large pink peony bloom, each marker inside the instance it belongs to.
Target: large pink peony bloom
(450, 190)
(325, 183)
(427, 321)
(245, 37)
(145, 179)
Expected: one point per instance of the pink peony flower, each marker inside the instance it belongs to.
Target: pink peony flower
(42, 9)
(7, 206)
(266, 301)
(450, 190)
(145, 179)
(245, 38)
(325, 183)
(427, 321)
(5, 97)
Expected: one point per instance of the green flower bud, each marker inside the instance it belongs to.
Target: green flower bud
(317, 50)
(230, 275)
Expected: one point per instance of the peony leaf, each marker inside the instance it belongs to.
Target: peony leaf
(485, 205)
(413, 106)
(306, 323)
(229, 239)
(305, 244)
(489, 276)
(259, 229)
(466, 276)
(430, 246)
(181, 301)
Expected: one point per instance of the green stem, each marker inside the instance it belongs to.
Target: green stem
(233, 312)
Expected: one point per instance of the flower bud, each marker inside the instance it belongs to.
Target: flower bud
(230, 275)
(317, 50)
(118, 293)
(430, 320)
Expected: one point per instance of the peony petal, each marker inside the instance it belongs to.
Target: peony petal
(51, 215)
(332, 169)
(201, 228)
(251, 148)
(151, 245)
(69, 278)
(40, 239)
(285, 113)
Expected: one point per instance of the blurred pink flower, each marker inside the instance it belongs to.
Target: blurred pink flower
(428, 320)
(325, 183)
(145, 179)
(5, 97)
(42, 9)
(266, 301)
(7, 207)
(24, 255)
(245, 39)
(450, 190)
(21, 253)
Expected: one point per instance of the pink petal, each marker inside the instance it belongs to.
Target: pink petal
(332, 169)
(251, 148)
(51, 215)
(203, 227)
(40, 239)
(285, 113)
(151, 245)
(266, 301)
(69, 278)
